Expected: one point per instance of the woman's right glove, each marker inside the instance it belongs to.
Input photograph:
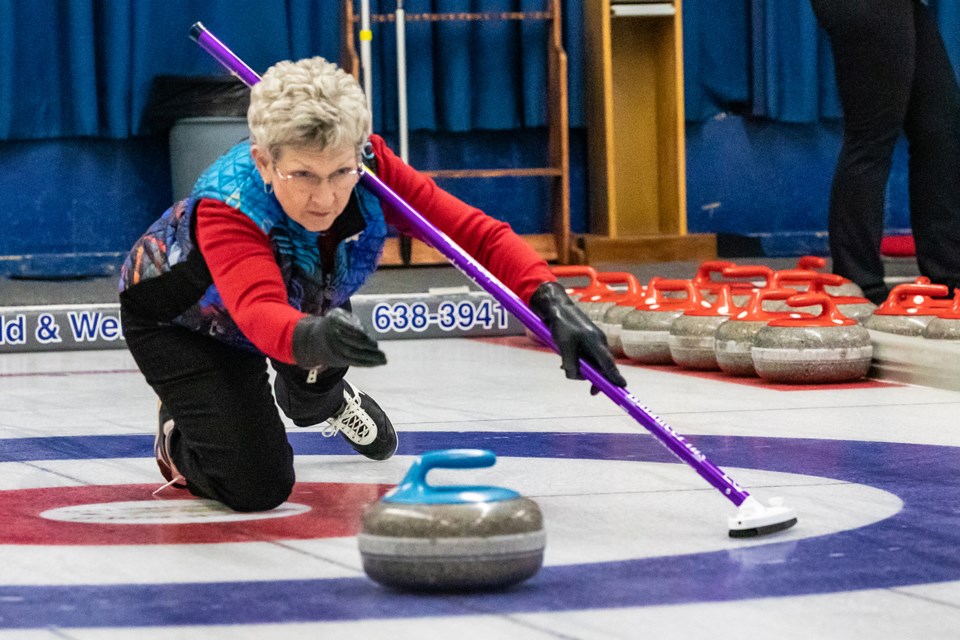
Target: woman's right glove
(337, 339)
(576, 336)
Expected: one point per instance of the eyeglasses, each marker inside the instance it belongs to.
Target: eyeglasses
(305, 182)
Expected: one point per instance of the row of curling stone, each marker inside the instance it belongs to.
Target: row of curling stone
(423, 537)
(919, 309)
(689, 323)
(609, 297)
(602, 286)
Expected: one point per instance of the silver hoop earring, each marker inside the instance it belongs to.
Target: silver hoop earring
(267, 188)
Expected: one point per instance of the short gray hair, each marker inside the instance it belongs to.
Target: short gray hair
(308, 103)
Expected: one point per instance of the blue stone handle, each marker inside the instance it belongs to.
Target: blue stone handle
(457, 459)
(414, 488)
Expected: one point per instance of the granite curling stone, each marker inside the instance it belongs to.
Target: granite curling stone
(856, 307)
(703, 278)
(693, 335)
(845, 288)
(645, 330)
(611, 323)
(748, 278)
(599, 294)
(807, 281)
(733, 341)
(800, 280)
(816, 350)
(946, 325)
(577, 271)
(421, 537)
(623, 286)
(909, 309)
(584, 292)
(741, 290)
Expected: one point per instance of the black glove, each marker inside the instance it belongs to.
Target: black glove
(574, 334)
(337, 339)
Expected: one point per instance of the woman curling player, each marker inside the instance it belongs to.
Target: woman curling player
(260, 263)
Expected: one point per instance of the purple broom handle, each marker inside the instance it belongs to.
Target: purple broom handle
(676, 443)
(212, 45)
(467, 264)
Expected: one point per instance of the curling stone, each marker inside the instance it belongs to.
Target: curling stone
(709, 287)
(845, 288)
(611, 323)
(823, 349)
(734, 338)
(746, 280)
(807, 281)
(946, 324)
(799, 280)
(856, 307)
(421, 537)
(622, 286)
(691, 340)
(852, 306)
(909, 309)
(749, 278)
(579, 271)
(645, 330)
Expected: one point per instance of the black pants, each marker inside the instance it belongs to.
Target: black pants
(893, 75)
(229, 440)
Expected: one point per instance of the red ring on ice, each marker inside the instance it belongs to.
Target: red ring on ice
(335, 511)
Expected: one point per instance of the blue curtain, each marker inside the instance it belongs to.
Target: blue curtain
(716, 56)
(463, 75)
(85, 67)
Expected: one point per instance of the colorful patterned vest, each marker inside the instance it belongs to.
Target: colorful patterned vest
(184, 293)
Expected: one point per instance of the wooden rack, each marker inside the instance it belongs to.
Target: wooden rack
(555, 246)
(636, 139)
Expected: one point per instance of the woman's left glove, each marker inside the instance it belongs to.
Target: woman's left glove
(337, 339)
(574, 334)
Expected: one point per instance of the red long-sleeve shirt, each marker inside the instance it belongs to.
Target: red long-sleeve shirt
(248, 278)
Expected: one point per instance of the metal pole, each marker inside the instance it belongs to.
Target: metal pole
(406, 243)
(366, 63)
(402, 82)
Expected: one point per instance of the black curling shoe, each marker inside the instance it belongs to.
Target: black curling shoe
(363, 424)
(161, 450)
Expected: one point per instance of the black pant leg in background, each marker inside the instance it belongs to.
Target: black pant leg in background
(932, 126)
(229, 440)
(305, 397)
(874, 56)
